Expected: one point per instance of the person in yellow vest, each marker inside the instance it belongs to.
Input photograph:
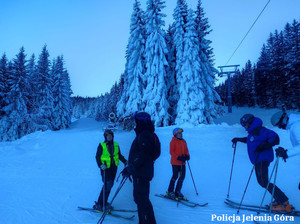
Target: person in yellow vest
(108, 157)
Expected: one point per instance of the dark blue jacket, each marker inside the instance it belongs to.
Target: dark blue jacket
(259, 135)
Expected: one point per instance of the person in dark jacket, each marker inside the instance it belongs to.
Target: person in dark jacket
(260, 141)
(108, 157)
(145, 149)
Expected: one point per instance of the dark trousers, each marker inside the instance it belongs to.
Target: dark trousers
(177, 170)
(141, 190)
(108, 178)
(261, 171)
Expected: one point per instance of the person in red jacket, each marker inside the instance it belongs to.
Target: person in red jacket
(179, 154)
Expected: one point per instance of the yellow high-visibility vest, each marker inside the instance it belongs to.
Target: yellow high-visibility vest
(106, 157)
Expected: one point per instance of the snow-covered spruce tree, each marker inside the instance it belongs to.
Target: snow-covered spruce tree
(3, 83)
(32, 106)
(44, 94)
(208, 71)
(14, 124)
(131, 99)
(155, 93)
(61, 116)
(191, 104)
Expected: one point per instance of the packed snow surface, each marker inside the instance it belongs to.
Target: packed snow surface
(44, 176)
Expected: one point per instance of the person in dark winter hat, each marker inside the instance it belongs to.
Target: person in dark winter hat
(292, 123)
(108, 157)
(179, 154)
(260, 141)
(145, 149)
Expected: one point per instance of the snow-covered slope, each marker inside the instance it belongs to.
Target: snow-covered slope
(46, 175)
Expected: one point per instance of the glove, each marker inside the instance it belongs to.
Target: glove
(128, 171)
(187, 157)
(181, 158)
(281, 152)
(103, 167)
(235, 140)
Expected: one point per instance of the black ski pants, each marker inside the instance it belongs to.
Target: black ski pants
(261, 171)
(141, 190)
(177, 170)
(108, 179)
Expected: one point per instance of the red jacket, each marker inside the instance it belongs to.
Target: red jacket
(178, 147)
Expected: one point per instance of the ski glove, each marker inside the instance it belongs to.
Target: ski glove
(128, 171)
(103, 167)
(181, 158)
(187, 157)
(281, 152)
(235, 140)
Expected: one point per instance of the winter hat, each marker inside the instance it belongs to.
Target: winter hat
(280, 119)
(108, 131)
(143, 116)
(247, 119)
(177, 130)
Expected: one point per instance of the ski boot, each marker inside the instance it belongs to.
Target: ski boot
(180, 196)
(286, 206)
(97, 206)
(170, 194)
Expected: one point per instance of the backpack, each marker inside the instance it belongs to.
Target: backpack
(156, 150)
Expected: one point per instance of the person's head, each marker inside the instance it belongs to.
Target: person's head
(108, 135)
(280, 119)
(177, 133)
(246, 120)
(143, 121)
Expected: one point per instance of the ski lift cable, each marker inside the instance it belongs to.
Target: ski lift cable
(248, 31)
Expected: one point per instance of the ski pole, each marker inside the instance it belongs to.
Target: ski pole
(245, 190)
(234, 146)
(192, 177)
(100, 221)
(273, 190)
(262, 201)
(103, 193)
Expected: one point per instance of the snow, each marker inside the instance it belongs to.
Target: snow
(46, 175)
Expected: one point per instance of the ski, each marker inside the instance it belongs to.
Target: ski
(111, 212)
(245, 205)
(256, 209)
(183, 201)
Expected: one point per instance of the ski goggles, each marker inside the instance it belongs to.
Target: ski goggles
(141, 116)
(177, 130)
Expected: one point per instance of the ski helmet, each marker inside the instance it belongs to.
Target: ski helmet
(247, 119)
(177, 130)
(280, 119)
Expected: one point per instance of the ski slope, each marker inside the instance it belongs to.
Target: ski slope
(45, 175)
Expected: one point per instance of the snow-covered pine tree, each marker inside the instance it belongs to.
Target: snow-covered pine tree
(155, 93)
(61, 116)
(15, 121)
(32, 106)
(191, 104)
(44, 94)
(131, 100)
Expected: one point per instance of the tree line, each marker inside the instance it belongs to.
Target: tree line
(274, 79)
(33, 95)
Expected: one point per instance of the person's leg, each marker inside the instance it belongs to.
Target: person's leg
(261, 170)
(141, 190)
(175, 170)
(180, 180)
(108, 180)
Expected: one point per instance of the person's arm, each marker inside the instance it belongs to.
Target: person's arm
(122, 158)
(272, 140)
(98, 155)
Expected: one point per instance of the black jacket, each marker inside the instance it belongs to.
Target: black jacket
(110, 148)
(141, 151)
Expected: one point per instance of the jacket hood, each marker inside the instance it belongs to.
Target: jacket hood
(255, 124)
(144, 125)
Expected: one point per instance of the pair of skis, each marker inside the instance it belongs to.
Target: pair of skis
(182, 201)
(111, 212)
(255, 208)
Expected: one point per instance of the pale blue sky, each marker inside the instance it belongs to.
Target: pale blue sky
(92, 34)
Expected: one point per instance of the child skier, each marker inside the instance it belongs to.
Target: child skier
(107, 157)
(260, 141)
(179, 154)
